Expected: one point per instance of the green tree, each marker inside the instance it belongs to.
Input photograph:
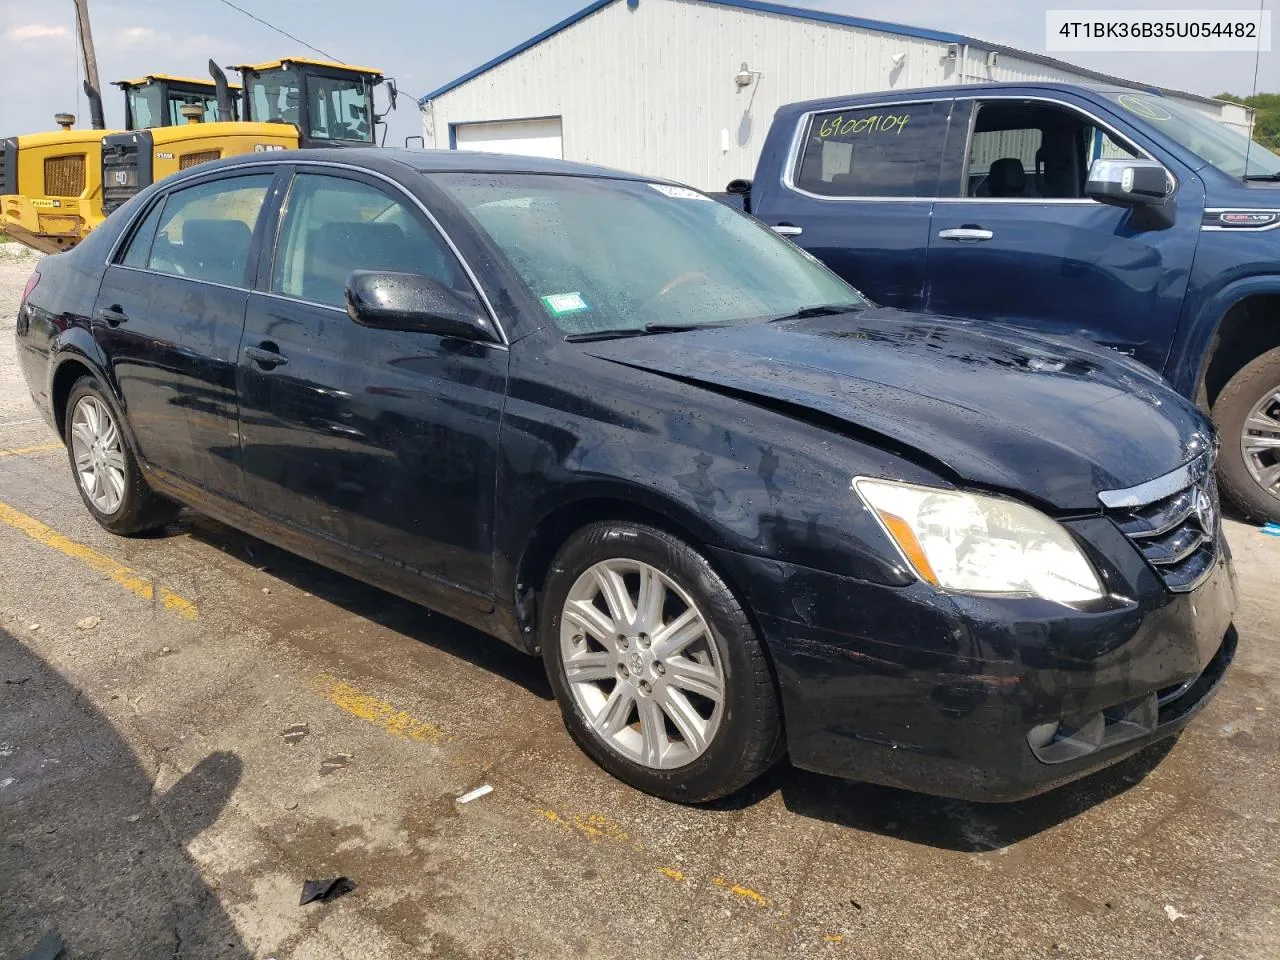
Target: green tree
(1266, 107)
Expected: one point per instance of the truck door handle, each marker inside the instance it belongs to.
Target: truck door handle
(788, 230)
(114, 315)
(267, 356)
(966, 234)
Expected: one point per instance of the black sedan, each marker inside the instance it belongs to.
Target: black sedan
(738, 509)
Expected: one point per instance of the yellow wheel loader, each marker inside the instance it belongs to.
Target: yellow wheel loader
(287, 104)
(51, 183)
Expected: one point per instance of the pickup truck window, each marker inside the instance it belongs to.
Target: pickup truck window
(1208, 139)
(890, 151)
(1024, 150)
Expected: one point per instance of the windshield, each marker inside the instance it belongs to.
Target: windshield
(617, 255)
(338, 109)
(1207, 138)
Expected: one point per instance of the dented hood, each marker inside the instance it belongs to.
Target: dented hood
(999, 407)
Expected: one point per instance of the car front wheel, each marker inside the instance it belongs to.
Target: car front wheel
(1247, 415)
(660, 675)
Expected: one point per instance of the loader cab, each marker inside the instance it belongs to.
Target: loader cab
(157, 100)
(330, 104)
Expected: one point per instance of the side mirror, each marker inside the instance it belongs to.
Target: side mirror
(1143, 185)
(738, 187)
(412, 302)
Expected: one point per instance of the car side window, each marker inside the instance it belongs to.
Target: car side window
(1030, 150)
(890, 151)
(138, 250)
(205, 231)
(334, 225)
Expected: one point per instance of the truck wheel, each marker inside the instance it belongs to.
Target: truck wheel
(1247, 415)
(107, 474)
(659, 673)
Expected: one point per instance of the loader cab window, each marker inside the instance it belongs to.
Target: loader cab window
(207, 102)
(146, 106)
(275, 95)
(339, 108)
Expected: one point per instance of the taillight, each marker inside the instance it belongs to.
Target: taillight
(32, 281)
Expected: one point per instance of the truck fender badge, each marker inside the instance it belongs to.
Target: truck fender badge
(1244, 218)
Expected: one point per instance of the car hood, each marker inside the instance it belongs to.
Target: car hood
(997, 407)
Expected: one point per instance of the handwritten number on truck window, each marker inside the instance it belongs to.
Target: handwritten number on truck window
(838, 126)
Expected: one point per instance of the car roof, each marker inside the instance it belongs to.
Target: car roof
(392, 160)
(967, 90)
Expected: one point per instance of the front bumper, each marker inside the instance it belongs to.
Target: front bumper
(911, 688)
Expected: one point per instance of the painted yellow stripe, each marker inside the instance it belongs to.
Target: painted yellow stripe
(26, 451)
(346, 697)
(131, 580)
(746, 893)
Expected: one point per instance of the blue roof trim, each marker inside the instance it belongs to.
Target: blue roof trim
(799, 13)
(546, 34)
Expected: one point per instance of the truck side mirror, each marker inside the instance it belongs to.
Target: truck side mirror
(1143, 185)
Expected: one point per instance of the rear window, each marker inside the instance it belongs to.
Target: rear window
(874, 151)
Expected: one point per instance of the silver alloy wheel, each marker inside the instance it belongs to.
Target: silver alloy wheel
(641, 663)
(98, 454)
(1260, 443)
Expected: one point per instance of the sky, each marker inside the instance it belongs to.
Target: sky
(425, 43)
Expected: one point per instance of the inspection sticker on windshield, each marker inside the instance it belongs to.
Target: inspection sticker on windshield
(679, 193)
(558, 304)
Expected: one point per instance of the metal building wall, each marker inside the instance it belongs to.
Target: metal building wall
(652, 89)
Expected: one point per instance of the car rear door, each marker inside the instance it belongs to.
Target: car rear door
(1020, 242)
(169, 315)
(857, 192)
(381, 442)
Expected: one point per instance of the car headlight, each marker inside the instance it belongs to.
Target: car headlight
(969, 543)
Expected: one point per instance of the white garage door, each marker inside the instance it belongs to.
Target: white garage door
(530, 138)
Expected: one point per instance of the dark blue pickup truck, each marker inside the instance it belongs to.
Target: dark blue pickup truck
(1107, 213)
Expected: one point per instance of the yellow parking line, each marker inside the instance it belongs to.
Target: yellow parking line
(346, 697)
(25, 451)
(131, 580)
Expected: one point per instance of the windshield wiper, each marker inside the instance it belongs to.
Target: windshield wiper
(644, 331)
(822, 310)
(1262, 176)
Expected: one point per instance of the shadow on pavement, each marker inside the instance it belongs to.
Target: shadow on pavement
(939, 822)
(410, 619)
(88, 852)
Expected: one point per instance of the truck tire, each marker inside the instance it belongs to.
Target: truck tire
(1247, 415)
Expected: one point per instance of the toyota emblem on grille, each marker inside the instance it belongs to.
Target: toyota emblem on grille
(1206, 509)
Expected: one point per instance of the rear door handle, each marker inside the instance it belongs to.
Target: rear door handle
(266, 356)
(788, 230)
(966, 234)
(113, 315)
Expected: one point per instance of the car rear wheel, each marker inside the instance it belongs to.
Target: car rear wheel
(659, 673)
(1247, 415)
(106, 472)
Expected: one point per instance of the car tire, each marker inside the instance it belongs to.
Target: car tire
(676, 740)
(1253, 391)
(124, 503)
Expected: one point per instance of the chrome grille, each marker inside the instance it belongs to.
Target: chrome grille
(1174, 520)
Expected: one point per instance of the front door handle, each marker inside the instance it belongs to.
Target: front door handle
(966, 234)
(788, 230)
(114, 315)
(267, 356)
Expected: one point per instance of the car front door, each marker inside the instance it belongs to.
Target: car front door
(858, 193)
(1021, 243)
(169, 315)
(382, 442)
